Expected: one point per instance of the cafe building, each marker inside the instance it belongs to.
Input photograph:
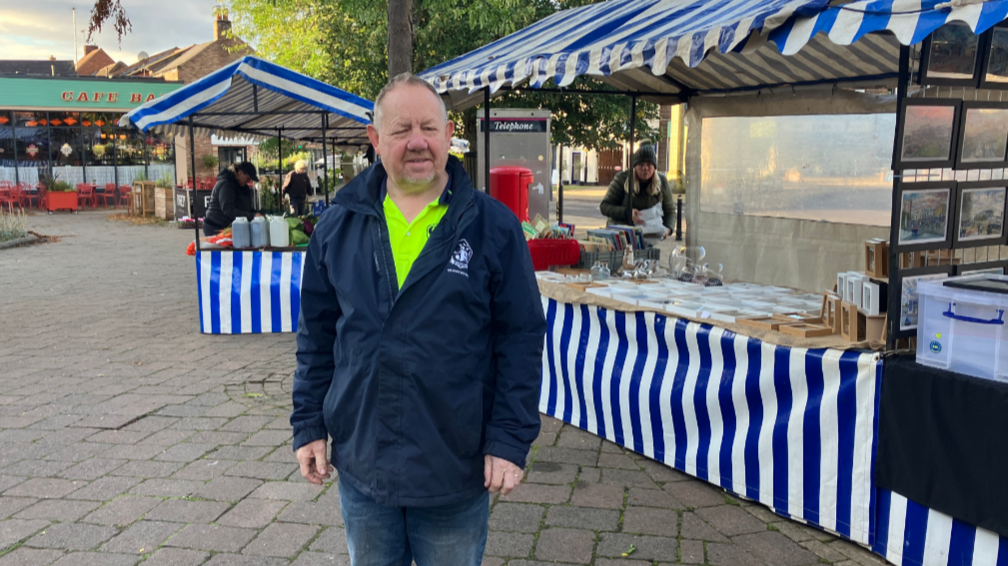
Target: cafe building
(67, 125)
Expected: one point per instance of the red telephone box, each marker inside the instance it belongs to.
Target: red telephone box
(510, 185)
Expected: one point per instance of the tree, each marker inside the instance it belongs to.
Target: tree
(347, 43)
(400, 37)
(105, 10)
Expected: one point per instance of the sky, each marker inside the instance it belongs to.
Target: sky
(36, 29)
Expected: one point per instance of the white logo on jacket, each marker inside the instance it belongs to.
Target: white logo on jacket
(460, 259)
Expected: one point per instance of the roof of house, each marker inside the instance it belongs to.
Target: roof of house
(37, 68)
(111, 70)
(93, 62)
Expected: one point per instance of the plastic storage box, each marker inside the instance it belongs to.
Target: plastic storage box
(962, 328)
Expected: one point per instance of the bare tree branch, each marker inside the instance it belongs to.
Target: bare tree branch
(105, 10)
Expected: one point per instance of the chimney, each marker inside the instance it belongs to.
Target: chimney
(89, 48)
(221, 26)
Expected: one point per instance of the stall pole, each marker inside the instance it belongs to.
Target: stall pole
(486, 138)
(325, 161)
(633, 122)
(560, 184)
(280, 168)
(115, 160)
(894, 286)
(49, 141)
(332, 151)
(678, 219)
(192, 200)
(17, 177)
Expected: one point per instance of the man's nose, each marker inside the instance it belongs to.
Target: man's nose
(416, 142)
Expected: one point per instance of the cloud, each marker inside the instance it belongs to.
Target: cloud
(39, 29)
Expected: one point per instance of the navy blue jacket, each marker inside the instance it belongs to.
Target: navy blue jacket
(415, 385)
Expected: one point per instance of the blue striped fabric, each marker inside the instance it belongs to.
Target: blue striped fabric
(789, 427)
(230, 89)
(909, 21)
(910, 534)
(249, 292)
(606, 37)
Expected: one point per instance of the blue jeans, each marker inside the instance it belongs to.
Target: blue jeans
(446, 535)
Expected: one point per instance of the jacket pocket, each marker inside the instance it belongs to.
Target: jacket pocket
(453, 397)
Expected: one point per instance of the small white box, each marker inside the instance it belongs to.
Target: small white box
(870, 298)
(963, 330)
(841, 284)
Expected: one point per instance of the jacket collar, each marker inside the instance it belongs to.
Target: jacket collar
(366, 192)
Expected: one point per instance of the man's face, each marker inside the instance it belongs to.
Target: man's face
(243, 178)
(644, 171)
(413, 138)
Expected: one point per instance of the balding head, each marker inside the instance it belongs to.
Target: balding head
(404, 79)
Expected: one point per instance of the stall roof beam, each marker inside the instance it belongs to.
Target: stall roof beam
(272, 96)
(698, 47)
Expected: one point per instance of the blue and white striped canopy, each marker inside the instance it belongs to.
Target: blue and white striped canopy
(695, 47)
(253, 97)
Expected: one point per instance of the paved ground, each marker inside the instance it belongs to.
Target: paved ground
(127, 437)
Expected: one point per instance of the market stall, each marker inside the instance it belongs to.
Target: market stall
(244, 290)
(794, 423)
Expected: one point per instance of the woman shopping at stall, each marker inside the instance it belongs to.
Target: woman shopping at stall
(641, 197)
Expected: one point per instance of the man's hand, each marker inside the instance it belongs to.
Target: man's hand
(314, 464)
(637, 217)
(500, 475)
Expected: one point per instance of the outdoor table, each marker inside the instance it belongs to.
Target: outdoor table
(249, 291)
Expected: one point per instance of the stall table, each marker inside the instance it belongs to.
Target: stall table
(249, 291)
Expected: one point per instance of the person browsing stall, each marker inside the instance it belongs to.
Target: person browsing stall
(296, 185)
(231, 197)
(641, 189)
(419, 346)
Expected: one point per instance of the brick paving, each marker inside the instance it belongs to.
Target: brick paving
(126, 437)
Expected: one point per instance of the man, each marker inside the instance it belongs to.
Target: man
(629, 195)
(231, 197)
(419, 347)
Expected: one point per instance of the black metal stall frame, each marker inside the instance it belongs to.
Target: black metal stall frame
(323, 120)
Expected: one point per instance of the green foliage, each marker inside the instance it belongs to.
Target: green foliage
(165, 182)
(210, 161)
(61, 187)
(345, 43)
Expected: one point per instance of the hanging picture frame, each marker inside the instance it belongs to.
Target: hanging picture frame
(980, 214)
(994, 267)
(952, 55)
(983, 135)
(995, 61)
(928, 133)
(910, 300)
(925, 214)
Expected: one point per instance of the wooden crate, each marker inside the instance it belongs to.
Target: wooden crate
(164, 203)
(143, 198)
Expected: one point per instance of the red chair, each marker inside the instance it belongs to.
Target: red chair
(125, 198)
(14, 196)
(86, 195)
(43, 196)
(108, 195)
(30, 195)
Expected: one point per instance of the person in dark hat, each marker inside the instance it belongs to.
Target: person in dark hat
(231, 197)
(637, 190)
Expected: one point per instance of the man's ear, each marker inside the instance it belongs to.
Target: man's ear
(450, 129)
(372, 134)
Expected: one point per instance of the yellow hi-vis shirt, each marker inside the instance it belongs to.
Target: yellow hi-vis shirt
(409, 238)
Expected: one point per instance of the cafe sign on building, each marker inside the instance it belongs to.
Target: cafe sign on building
(83, 94)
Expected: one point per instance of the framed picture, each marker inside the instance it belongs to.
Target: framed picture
(909, 299)
(995, 68)
(980, 214)
(951, 55)
(924, 213)
(928, 130)
(983, 135)
(994, 267)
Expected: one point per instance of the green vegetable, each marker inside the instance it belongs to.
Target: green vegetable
(298, 237)
(293, 223)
